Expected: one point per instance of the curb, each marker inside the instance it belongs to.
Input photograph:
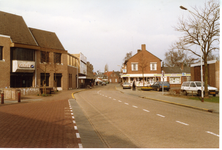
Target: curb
(77, 92)
(204, 109)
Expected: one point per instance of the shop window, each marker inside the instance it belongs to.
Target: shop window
(21, 80)
(45, 78)
(175, 80)
(1, 52)
(134, 66)
(153, 66)
(44, 56)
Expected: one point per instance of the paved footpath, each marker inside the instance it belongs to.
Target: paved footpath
(39, 122)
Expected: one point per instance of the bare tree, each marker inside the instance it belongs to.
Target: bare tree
(174, 58)
(201, 30)
(143, 65)
(128, 56)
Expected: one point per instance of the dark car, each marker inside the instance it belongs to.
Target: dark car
(158, 85)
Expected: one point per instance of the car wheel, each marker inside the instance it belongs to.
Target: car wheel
(199, 93)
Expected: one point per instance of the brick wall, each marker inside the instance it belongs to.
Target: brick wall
(5, 64)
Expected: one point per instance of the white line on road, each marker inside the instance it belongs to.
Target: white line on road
(182, 123)
(127, 103)
(212, 133)
(160, 115)
(110, 97)
(73, 117)
(135, 106)
(77, 135)
(119, 101)
(75, 127)
(114, 99)
(74, 121)
(80, 145)
(146, 110)
(105, 96)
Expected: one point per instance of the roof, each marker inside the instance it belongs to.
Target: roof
(208, 62)
(46, 39)
(15, 27)
(176, 69)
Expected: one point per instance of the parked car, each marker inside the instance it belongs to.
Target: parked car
(126, 85)
(103, 83)
(194, 87)
(158, 86)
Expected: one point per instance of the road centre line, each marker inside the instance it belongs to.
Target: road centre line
(212, 133)
(146, 110)
(127, 103)
(160, 115)
(182, 123)
(110, 97)
(119, 101)
(114, 99)
(135, 106)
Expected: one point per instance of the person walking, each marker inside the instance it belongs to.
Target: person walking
(134, 85)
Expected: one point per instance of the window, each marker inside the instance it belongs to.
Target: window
(45, 78)
(23, 54)
(153, 66)
(134, 66)
(175, 80)
(1, 52)
(57, 58)
(44, 57)
(58, 79)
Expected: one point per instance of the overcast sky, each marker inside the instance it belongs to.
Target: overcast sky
(105, 30)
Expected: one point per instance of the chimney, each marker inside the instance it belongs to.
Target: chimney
(138, 50)
(143, 47)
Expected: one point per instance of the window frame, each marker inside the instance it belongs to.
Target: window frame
(153, 66)
(134, 66)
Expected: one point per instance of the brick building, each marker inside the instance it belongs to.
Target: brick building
(30, 56)
(142, 64)
(112, 77)
(213, 73)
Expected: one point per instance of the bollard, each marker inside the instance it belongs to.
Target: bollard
(19, 97)
(2, 98)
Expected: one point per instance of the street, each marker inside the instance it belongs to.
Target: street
(128, 121)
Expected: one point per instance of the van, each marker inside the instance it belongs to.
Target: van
(194, 87)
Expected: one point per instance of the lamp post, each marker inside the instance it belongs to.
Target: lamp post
(201, 70)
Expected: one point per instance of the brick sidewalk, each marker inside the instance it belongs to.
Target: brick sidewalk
(41, 124)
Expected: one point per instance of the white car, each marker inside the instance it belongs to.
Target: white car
(194, 87)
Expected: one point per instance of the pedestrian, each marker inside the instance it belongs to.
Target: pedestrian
(134, 85)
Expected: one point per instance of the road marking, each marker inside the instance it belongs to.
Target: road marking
(73, 117)
(114, 99)
(135, 106)
(105, 96)
(75, 127)
(71, 113)
(77, 135)
(160, 115)
(146, 110)
(80, 145)
(127, 103)
(119, 101)
(74, 121)
(70, 110)
(110, 97)
(212, 133)
(182, 123)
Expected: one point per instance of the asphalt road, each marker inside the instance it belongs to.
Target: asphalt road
(127, 121)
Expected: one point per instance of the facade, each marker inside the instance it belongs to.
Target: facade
(142, 65)
(213, 73)
(32, 57)
(112, 76)
(85, 71)
(176, 75)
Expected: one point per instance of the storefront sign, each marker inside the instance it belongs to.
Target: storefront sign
(23, 66)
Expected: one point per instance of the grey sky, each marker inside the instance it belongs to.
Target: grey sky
(105, 30)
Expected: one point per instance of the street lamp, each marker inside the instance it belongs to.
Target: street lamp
(201, 70)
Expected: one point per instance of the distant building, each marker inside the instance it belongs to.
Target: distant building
(113, 77)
